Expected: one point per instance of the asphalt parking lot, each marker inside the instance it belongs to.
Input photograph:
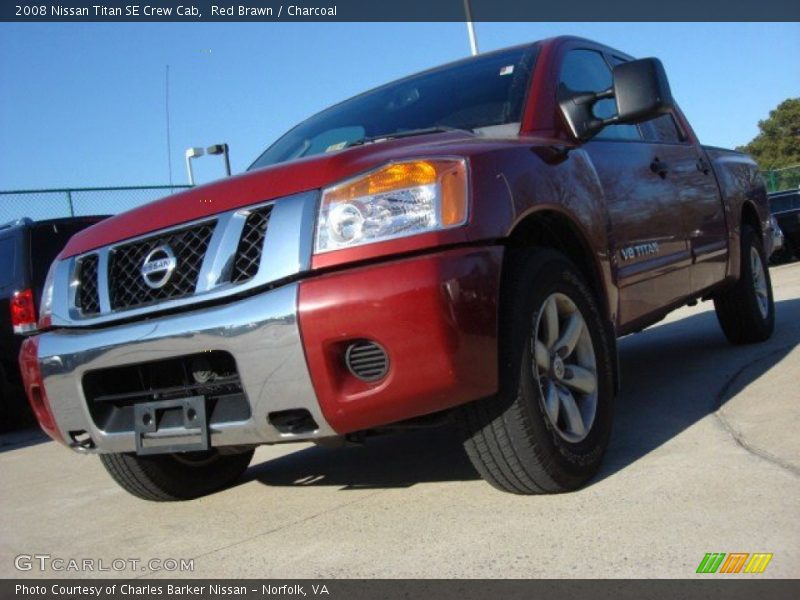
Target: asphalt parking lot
(705, 457)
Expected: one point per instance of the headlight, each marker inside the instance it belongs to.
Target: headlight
(397, 200)
(46, 306)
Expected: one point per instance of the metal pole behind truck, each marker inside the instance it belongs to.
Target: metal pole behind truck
(189, 155)
(473, 41)
(223, 149)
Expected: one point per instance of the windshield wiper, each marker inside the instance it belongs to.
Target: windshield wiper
(407, 133)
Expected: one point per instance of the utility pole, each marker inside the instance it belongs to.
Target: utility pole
(473, 41)
(169, 142)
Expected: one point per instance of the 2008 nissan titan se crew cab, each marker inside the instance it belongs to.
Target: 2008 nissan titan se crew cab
(467, 242)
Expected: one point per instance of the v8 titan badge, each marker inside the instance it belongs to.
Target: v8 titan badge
(639, 250)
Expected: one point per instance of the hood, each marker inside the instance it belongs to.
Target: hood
(268, 183)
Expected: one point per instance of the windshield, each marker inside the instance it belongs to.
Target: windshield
(471, 94)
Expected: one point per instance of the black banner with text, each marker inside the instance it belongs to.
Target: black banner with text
(398, 10)
(386, 589)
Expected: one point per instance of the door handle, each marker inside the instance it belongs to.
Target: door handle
(702, 166)
(659, 167)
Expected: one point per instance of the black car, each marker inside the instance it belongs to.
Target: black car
(26, 250)
(785, 207)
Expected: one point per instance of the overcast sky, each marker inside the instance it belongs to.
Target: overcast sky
(84, 104)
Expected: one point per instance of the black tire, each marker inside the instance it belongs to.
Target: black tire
(15, 412)
(5, 422)
(737, 307)
(508, 437)
(785, 255)
(169, 477)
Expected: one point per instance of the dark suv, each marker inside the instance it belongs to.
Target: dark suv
(785, 207)
(26, 250)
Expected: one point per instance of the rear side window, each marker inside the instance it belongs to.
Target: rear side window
(8, 259)
(587, 71)
(661, 129)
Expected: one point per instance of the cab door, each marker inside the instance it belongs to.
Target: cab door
(700, 201)
(648, 246)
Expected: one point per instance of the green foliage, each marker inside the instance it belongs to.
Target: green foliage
(778, 144)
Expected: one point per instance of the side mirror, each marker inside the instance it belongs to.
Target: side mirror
(639, 88)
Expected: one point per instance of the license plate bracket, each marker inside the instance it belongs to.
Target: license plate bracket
(177, 425)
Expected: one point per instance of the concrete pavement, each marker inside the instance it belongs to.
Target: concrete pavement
(705, 457)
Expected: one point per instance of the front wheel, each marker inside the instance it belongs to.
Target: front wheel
(548, 427)
(180, 476)
(746, 311)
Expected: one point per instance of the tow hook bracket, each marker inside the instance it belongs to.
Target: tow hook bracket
(165, 426)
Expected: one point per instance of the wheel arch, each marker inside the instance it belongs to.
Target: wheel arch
(749, 216)
(548, 228)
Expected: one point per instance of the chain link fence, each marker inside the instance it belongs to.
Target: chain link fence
(51, 204)
(54, 203)
(787, 178)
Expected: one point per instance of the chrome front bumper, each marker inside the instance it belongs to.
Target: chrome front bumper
(260, 332)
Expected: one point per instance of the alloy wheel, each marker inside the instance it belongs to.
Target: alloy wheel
(565, 368)
(759, 282)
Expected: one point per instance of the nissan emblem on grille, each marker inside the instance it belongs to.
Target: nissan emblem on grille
(158, 266)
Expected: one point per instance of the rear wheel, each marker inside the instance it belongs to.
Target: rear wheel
(180, 476)
(15, 413)
(5, 423)
(548, 427)
(785, 254)
(746, 311)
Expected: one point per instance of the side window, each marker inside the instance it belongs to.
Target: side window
(587, 71)
(661, 129)
(46, 242)
(8, 249)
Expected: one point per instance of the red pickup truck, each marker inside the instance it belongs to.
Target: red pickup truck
(466, 243)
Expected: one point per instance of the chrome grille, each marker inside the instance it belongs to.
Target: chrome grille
(88, 294)
(126, 286)
(233, 252)
(251, 244)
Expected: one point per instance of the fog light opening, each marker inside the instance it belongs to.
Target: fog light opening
(366, 360)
